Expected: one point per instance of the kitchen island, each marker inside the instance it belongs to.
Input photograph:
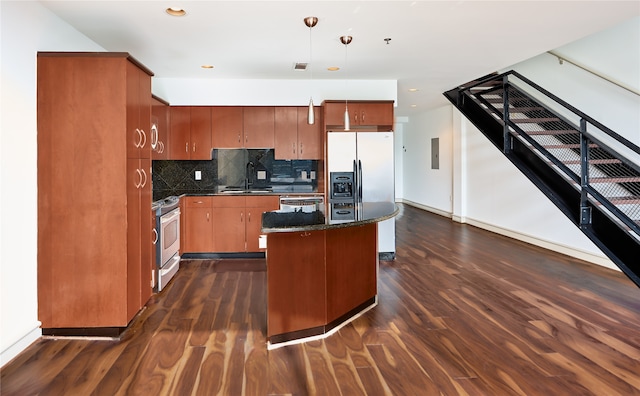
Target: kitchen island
(320, 276)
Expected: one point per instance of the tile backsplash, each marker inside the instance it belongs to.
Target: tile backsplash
(240, 168)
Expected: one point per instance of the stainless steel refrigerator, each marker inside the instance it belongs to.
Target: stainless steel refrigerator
(369, 155)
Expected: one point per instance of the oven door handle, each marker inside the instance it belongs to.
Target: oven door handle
(170, 216)
(175, 260)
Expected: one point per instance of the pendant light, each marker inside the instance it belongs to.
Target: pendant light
(310, 21)
(346, 40)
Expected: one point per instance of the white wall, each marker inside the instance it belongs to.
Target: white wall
(487, 190)
(26, 27)
(498, 197)
(398, 157)
(422, 185)
(614, 54)
(211, 92)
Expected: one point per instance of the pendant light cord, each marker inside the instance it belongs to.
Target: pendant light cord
(346, 73)
(310, 61)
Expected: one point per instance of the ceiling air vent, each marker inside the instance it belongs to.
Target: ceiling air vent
(300, 66)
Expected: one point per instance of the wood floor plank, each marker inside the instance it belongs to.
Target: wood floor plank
(461, 311)
(188, 371)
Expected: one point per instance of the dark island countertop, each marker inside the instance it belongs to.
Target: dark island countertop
(366, 213)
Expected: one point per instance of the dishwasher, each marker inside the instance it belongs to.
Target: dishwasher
(305, 203)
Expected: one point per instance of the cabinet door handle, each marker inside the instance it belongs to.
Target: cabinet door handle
(208, 216)
(241, 217)
(186, 147)
(138, 183)
(293, 147)
(161, 149)
(144, 138)
(154, 138)
(301, 147)
(144, 174)
(305, 234)
(139, 142)
(194, 147)
(249, 217)
(238, 138)
(155, 238)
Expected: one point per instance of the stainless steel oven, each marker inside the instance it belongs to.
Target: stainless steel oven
(168, 246)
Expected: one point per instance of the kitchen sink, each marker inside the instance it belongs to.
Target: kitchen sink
(232, 191)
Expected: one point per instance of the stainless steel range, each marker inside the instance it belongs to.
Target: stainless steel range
(168, 245)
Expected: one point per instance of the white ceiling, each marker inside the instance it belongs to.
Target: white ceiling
(435, 45)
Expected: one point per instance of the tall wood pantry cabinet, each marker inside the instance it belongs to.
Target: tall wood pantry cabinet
(94, 191)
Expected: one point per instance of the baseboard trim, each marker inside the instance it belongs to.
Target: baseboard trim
(427, 208)
(592, 258)
(20, 345)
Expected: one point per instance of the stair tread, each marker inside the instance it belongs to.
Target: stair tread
(554, 132)
(627, 179)
(571, 146)
(531, 120)
(624, 200)
(521, 109)
(594, 161)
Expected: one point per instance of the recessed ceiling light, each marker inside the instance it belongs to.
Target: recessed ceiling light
(333, 68)
(176, 11)
(413, 89)
(414, 105)
(207, 66)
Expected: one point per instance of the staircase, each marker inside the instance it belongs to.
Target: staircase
(589, 172)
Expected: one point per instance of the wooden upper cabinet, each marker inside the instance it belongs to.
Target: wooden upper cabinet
(373, 113)
(200, 133)
(160, 118)
(190, 132)
(180, 125)
(138, 112)
(310, 137)
(294, 138)
(226, 127)
(259, 126)
(286, 133)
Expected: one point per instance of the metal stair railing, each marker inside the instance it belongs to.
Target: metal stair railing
(599, 164)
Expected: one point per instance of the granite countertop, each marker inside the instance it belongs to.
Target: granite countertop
(366, 212)
(222, 192)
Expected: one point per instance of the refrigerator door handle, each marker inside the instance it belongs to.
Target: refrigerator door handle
(359, 181)
(356, 182)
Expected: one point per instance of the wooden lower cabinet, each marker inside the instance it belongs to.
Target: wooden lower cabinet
(296, 281)
(350, 278)
(139, 235)
(255, 206)
(317, 279)
(198, 224)
(229, 226)
(225, 224)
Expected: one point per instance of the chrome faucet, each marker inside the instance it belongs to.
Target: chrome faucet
(248, 180)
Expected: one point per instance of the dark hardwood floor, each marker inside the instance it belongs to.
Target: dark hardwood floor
(461, 312)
